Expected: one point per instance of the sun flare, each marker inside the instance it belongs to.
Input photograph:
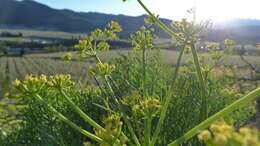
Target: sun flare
(216, 10)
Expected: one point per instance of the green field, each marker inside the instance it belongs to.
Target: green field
(52, 63)
(168, 56)
(15, 67)
(33, 34)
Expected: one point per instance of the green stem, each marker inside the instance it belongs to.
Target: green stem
(148, 130)
(147, 121)
(204, 105)
(224, 112)
(105, 100)
(158, 22)
(67, 121)
(167, 100)
(144, 71)
(81, 113)
(98, 59)
(130, 128)
(204, 111)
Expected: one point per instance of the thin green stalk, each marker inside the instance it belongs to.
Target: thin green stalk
(173, 34)
(99, 61)
(224, 112)
(81, 113)
(204, 111)
(67, 121)
(130, 128)
(148, 130)
(204, 105)
(105, 100)
(158, 22)
(144, 71)
(147, 120)
(167, 100)
(97, 58)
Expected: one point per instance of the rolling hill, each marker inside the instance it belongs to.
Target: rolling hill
(28, 14)
(33, 15)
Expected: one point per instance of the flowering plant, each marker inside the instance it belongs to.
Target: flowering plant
(120, 127)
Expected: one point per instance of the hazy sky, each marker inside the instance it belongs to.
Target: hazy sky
(174, 9)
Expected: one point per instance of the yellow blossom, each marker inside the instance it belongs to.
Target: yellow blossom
(16, 83)
(220, 139)
(204, 135)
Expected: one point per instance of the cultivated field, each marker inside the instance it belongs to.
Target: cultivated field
(168, 56)
(52, 63)
(40, 34)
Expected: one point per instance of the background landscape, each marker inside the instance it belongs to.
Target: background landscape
(38, 39)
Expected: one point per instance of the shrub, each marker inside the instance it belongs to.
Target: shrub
(41, 128)
(143, 102)
(184, 107)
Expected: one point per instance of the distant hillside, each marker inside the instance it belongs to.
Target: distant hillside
(242, 34)
(29, 14)
(33, 15)
(242, 22)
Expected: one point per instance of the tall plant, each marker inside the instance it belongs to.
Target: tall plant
(123, 109)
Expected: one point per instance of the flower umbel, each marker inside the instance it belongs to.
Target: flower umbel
(222, 134)
(102, 69)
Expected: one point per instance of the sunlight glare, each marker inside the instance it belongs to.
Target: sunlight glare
(216, 10)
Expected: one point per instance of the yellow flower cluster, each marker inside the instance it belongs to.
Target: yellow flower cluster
(205, 135)
(142, 105)
(148, 106)
(212, 46)
(132, 100)
(113, 126)
(102, 69)
(90, 90)
(185, 31)
(61, 81)
(35, 84)
(143, 39)
(31, 83)
(96, 41)
(222, 134)
(229, 43)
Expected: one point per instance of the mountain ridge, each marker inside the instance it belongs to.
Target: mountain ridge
(34, 15)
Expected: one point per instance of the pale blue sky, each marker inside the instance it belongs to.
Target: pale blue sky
(106, 6)
(174, 9)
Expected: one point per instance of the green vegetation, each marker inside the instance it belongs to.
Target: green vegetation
(135, 98)
(31, 34)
